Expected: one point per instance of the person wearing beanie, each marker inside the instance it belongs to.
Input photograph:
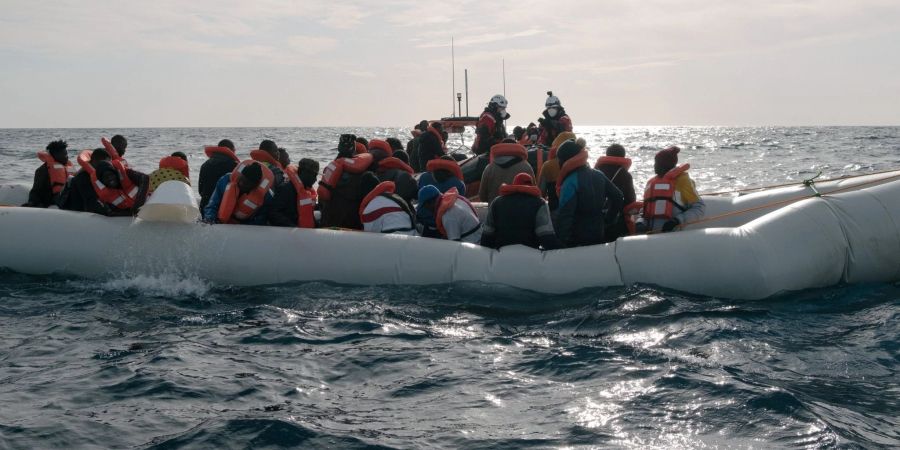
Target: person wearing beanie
(554, 120)
(295, 201)
(665, 208)
(171, 168)
(383, 211)
(584, 194)
(454, 218)
(615, 166)
(550, 171)
(222, 161)
(232, 191)
(51, 177)
(426, 225)
(519, 216)
(504, 166)
(443, 175)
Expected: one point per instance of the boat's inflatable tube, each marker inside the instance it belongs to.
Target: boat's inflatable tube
(172, 201)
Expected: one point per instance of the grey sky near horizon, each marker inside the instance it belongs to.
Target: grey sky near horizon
(355, 63)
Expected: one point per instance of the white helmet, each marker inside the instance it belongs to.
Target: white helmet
(498, 100)
(552, 100)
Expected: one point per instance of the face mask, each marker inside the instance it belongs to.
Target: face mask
(552, 112)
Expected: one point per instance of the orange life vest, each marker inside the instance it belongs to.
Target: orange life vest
(573, 163)
(385, 187)
(174, 162)
(335, 169)
(443, 164)
(306, 200)
(448, 199)
(631, 210)
(122, 198)
(111, 149)
(264, 157)
(210, 151)
(509, 189)
(509, 149)
(236, 206)
(613, 161)
(59, 173)
(490, 122)
(121, 166)
(394, 163)
(659, 196)
(381, 145)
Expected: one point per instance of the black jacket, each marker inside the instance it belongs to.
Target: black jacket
(405, 184)
(583, 210)
(79, 195)
(210, 172)
(519, 219)
(430, 147)
(41, 193)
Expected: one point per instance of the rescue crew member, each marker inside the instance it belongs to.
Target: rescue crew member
(443, 173)
(242, 197)
(550, 171)
(295, 202)
(383, 211)
(490, 129)
(389, 168)
(51, 177)
(583, 196)
(519, 216)
(222, 161)
(554, 120)
(670, 198)
(615, 166)
(172, 167)
(508, 159)
(454, 216)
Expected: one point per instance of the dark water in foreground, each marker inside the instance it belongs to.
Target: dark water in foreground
(178, 364)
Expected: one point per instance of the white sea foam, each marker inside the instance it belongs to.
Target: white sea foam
(163, 285)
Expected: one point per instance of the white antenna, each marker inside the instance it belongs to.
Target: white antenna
(504, 76)
(453, 69)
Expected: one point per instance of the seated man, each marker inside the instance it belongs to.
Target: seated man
(519, 216)
(338, 190)
(242, 197)
(173, 167)
(389, 168)
(295, 202)
(550, 171)
(670, 199)
(615, 166)
(443, 173)
(269, 155)
(222, 161)
(454, 216)
(508, 159)
(583, 196)
(383, 211)
(98, 188)
(51, 177)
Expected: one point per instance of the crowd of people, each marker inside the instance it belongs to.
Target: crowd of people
(556, 201)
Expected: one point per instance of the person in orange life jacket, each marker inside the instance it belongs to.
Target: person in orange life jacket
(389, 168)
(383, 211)
(105, 180)
(51, 177)
(554, 120)
(268, 154)
(402, 156)
(508, 159)
(173, 167)
(490, 129)
(454, 216)
(287, 209)
(615, 166)
(79, 193)
(550, 171)
(244, 196)
(338, 189)
(284, 158)
(116, 147)
(519, 216)
(443, 173)
(395, 144)
(670, 198)
(584, 194)
(222, 161)
(431, 144)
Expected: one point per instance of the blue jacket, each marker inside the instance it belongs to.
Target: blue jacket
(427, 178)
(212, 208)
(587, 202)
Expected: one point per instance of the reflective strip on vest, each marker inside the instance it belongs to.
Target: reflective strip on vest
(306, 201)
(264, 184)
(133, 192)
(659, 207)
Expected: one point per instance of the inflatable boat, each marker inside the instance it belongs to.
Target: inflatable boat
(750, 246)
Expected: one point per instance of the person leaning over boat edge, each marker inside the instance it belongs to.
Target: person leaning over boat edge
(489, 130)
(51, 177)
(519, 216)
(242, 197)
(670, 198)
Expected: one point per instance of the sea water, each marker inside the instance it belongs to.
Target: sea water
(177, 362)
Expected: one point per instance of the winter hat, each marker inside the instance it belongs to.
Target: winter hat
(253, 173)
(562, 137)
(427, 193)
(523, 179)
(567, 150)
(667, 158)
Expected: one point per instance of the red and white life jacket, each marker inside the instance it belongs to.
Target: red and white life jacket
(488, 120)
(111, 149)
(661, 197)
(237, 207)
(448, 199)
(509, 149)
(265, 158)
(210, 151)
(306, 200)
(331, 176)
(59, 173)
(122, 198)
(394, 163)
(378, 144)
(443, 164)
(576, 162)
(121, 166)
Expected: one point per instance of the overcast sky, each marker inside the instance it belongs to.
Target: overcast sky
(318, 63)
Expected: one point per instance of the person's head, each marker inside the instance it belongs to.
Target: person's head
(346, 146)
(498, 105)
(380, 149)
(362, 141)
(180, 155)
(367, 183)
(518, 132)
(445, 136)
(107, 174)
(394, 143)
(269, 147)
(401, 155)
(423, 125)
(438, 126)
(523, 179)
(615, 150)
(99, 154)
(308, 171)
(250, 178)
(553, 105)
(283, 157)
(666, 160)
(567, 150)
(120, 143)
(428, 197)
(508, 141)
(442, 175)
(227, 144)
(57, 149)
